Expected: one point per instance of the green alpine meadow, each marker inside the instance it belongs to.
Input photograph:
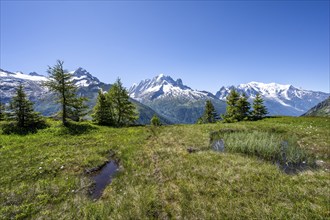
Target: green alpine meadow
(161, 110)
(44, 174)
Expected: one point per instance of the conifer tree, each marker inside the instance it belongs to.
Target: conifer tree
(209, 115)
(243, 107)
(21, 111)
(259, 110)
(155, 121)
(78, 108)
(103, 114)
(232, 110)
(61, 83)
(123, 110)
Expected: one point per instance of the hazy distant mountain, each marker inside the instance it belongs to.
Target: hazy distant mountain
(174, 100)
(321, 109)
(279, 99)
(88, 86)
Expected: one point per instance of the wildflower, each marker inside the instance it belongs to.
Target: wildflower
(61, 167)
(40, 168)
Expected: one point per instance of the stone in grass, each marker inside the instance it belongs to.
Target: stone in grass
(219, 145)
(191, 150)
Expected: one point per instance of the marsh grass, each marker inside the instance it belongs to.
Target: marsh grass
(271, 146)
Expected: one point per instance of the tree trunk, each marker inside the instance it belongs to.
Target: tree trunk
(63, 104)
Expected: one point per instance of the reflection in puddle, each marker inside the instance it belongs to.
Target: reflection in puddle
(102, 178)
(218, 145)
(290, 168)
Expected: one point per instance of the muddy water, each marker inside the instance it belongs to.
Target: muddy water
(102, 178)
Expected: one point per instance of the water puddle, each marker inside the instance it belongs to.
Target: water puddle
(290, 168)
(102, 178)
(218, 145)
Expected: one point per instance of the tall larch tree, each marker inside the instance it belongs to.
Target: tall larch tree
(259, 109)
(21, 110)
(124, 111)
(243, 107)
(210, 115)
(232, 111)
(78, 108)
(102, 112)
(62, 85)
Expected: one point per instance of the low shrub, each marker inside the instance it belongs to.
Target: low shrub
(13, 128)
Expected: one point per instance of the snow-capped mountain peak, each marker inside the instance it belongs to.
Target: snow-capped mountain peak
(279, 98)
(32, 84)
(83, 78)
(160, 77)
(265, 89)
(266, 86)
(21, 76)
(163, 86)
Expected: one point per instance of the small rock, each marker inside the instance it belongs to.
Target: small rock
(319, 162)
(191, 150)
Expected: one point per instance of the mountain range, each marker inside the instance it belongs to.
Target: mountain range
(170, 99)
(279, 99)
(173, 99)
(88, 86)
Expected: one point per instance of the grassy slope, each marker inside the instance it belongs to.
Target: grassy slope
(322, 109)
(42, 175)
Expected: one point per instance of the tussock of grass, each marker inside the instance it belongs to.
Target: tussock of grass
(275, 146)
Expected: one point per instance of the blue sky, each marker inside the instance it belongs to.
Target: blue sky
(206, 43)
